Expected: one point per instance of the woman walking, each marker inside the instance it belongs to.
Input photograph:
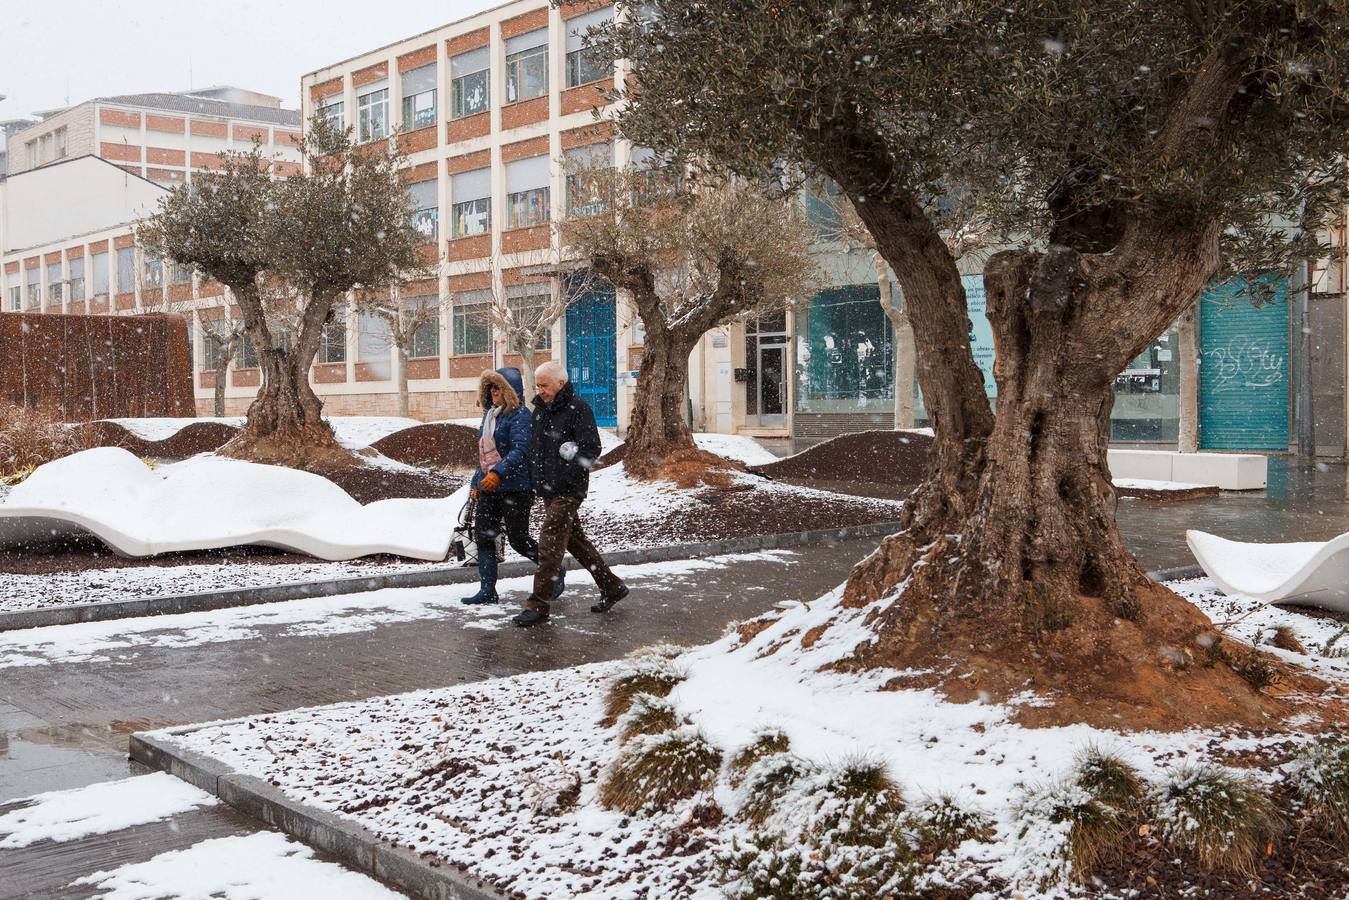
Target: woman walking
(501, 486)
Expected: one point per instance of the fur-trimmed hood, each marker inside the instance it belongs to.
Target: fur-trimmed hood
(508, 379)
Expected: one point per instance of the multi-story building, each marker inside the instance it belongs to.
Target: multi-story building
(81, 178)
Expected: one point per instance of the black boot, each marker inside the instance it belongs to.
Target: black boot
(527, 617)
(607, 603)
(487, 576)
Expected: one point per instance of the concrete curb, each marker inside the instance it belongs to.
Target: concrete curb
(342, 838)
(208, 600)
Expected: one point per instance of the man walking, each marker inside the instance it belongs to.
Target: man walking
(564, 446)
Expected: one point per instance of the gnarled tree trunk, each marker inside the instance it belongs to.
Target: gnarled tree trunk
(657, 429)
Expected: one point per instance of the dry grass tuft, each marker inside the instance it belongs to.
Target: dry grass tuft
(655, 771)
(940, 824)
(766, 744)
(1110, 779)
(647, 714)
(1224, 820)
(1286, 639)
(33, 437)
(652, 676)
(769, 781)
(854, 804)
(1321, 777)
(1095, 830)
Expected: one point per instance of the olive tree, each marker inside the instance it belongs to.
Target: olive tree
(1129, 153)
(289, 250)
(692, 257)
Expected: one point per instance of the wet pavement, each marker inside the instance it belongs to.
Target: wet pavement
(66, 710)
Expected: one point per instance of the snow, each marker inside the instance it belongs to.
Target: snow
(209, 502)
(739, 447)
(125, 639)
(494, 758)
(260, 866)
(1146, 484)
(61, 816)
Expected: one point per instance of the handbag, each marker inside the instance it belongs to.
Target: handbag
(463, 546)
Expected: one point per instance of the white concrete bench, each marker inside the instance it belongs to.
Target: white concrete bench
(1229, 471)
(1302, 574)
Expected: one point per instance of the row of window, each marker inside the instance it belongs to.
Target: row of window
(526, 71)
(471, 329)
(69, 278)
(48, 147)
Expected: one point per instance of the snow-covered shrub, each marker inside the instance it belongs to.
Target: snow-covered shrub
(1067, 831)
(772, 867)
(765, 744)
(1224, 820)
(1337, 647)
(647, 714)
(655, 770)
(663, 650)
(1109, 779)
(940, 824)
(1320, 774)
(856, 803)
(647, 675)
(767, 782)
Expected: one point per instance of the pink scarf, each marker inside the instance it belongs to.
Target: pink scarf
(488, 455)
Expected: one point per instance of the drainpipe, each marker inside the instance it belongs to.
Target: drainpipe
(1306, 425)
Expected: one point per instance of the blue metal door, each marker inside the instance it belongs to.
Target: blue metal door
(1243, 368)
(592, 358)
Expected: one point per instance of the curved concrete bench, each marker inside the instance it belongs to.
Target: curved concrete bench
(1302, 574)
(207, 503)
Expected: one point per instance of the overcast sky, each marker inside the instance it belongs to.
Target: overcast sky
(51, 50)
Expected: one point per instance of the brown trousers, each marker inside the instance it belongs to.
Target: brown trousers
(561, 534)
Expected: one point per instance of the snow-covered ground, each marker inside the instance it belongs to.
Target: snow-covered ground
(160, 429)
(209, 502)
(125, 639)
(739, 447)
(61, 816)
(502, 776)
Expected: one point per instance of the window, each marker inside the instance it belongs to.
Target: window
(60, 140)
(425, 205)
(101, 276)
(372, 115)
(584, 64)
(419, 97)
(844, 352)
(527, 66)
(824, 210)
(472, 323)
(32, 152)
(16, 297)
(331, 110)
(583, 194)
(373, 343)
(333, 343)
(528, 303)
(245, 357)
(472, 210)
(54, 282)
(154, 271)
(76, 267)
(213, 345)
(34, 292)
(182, 274)
(527, 192)
(126, 270)
(470, 90)
(426, 338)
(45, 148)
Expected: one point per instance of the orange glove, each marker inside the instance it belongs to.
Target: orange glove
(490, 482)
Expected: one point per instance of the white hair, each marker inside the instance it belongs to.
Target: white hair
(553, 369)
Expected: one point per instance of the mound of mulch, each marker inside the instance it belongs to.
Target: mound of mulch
(441, 445)
(1193, 493)
(199, 437)
(880, 457)
(367, 484)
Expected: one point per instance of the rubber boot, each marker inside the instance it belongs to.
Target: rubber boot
(487, 576)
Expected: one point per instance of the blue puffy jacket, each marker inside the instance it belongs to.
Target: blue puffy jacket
(514, 426)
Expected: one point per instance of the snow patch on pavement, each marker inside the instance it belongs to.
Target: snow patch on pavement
(261, 866)
(61, 816)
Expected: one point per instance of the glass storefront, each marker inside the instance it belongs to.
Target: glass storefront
(845, 353)
(1147, 394)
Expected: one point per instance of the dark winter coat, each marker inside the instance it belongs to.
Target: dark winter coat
(567, 420)
(513, 428)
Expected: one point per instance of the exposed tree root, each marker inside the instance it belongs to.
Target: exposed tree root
(687, 467)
